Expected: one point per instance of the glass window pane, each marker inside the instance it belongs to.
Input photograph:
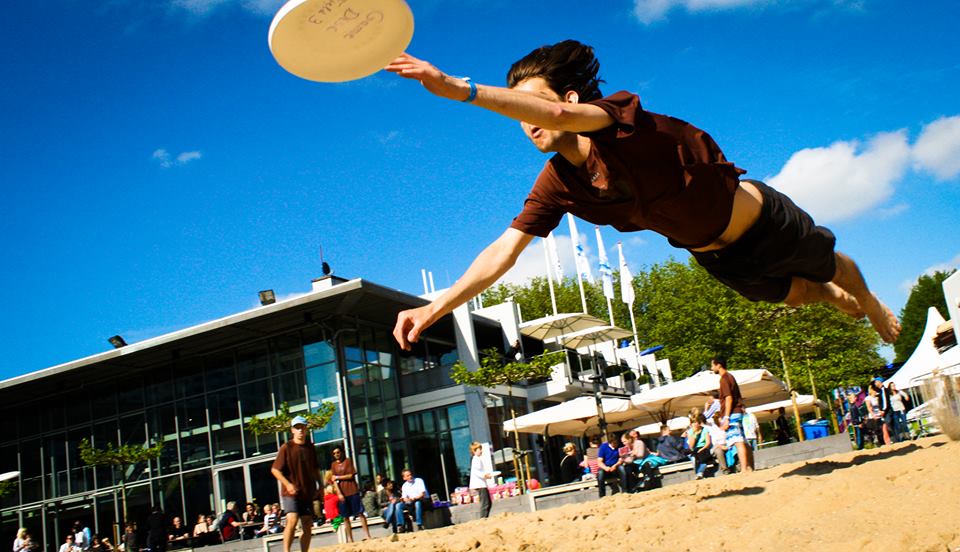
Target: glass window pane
(188, 378)
(130, 394)
(159, 385)
(198, 495)
(256, 399)
(52, 414)
(457, 415)
(219, 371)
(78, 410)
(291, 389)
(224, 413)
(167, 496)
(263, 484)
(104, 403)
(288, 353)
(253, 363)
(320, 352)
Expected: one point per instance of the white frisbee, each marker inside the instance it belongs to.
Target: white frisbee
(339, 40)
(9, 475)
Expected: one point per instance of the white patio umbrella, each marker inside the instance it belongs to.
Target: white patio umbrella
(757, 386)
(594, 336)
(9, 475)
(550, 327)
(574, 417)
(768, 412)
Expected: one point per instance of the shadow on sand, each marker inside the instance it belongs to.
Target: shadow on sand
(746, 491)
(829, 466)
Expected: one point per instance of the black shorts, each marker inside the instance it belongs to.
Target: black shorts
(783, 243)
(295, 505)
(351, 506)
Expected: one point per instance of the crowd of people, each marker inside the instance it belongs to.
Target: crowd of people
(877, 413)
(721, 437)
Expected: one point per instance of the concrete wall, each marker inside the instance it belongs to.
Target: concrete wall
(795, 452)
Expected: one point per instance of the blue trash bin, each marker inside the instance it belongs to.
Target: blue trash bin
(815, 429)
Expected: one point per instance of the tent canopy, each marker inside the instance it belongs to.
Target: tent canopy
(757, 386)
(574, 417)
(924, 358)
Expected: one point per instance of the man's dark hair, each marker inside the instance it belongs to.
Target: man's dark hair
(719, 360)
(567, 65)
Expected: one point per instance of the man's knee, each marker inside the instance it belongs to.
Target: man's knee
(799, 293)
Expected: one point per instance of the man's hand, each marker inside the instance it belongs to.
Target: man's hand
(433, 79)
(410, 324)
(291, 488)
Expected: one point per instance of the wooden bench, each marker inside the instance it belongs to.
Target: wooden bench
(564, 488)
(677, 467)
(321, 530)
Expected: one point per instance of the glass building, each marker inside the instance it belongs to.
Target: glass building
(195, 389)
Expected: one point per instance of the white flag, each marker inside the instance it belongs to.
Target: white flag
(606, 275)
(555, 258)
(583, 266)
(626, 279)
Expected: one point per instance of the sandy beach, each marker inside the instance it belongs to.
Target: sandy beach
(904, 497)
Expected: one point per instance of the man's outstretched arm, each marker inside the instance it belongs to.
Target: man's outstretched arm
(523, 106)
(489, 265)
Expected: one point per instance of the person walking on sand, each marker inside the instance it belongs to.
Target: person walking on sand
(298, 472)
(481, 477)
(617, 164)
(731, 408)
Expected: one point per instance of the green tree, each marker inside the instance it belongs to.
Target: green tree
(926, 293)
(280, 422)
(125, 455)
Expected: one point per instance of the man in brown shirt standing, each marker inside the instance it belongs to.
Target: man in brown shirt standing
(346, 477)
(731, 412)
(298, 472)
(620, 165)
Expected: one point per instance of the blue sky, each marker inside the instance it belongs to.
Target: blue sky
(159, 168)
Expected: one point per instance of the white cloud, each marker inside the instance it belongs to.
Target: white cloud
(843, 180)
(166, 160)
(937, 150)
(892, 211)
(649, 11)
(907, 285)
(205, 7)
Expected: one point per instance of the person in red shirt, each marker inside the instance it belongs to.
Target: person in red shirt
(345, 476)
(297, 471)
(620, 165)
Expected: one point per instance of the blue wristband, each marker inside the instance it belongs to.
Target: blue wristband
(473, 90)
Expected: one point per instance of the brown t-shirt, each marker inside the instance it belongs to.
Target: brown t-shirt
(729, 388)
(645, 171)
(298, 463)
(348, 487)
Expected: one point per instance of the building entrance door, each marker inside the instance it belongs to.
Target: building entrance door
(246, 483)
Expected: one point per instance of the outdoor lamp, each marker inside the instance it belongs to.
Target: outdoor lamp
(117, 342)
(267, 297)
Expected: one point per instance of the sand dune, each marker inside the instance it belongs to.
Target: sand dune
(903, 497)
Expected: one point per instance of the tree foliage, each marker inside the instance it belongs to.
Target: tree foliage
(494, 370)
(280, 422)
(7, 487)
(122, 456)
(680, 306)
(926, 293)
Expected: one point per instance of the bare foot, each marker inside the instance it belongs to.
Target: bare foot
(883, 319)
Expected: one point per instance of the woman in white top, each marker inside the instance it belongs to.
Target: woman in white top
(898, 404)
(481, 477)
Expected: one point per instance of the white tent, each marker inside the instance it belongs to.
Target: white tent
(574, 417)
(757, 386)
(924, 358)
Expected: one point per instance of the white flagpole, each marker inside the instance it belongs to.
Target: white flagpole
(577, 254)
(626, 285)
(546, 256)
(555, 256)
